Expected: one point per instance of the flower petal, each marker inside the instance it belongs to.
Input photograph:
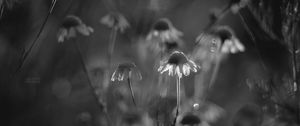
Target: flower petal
(84, 30)
(184, 69)
(113, 77)
(62, 33)
(177, 71)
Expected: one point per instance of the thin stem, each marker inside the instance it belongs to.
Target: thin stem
(90, 82)
(178, 100)
(295, 75)
(111, 46)
(178, 92)
(132, 93)
(27, 52)
(113, 37)
(214, 74)
(252, 38)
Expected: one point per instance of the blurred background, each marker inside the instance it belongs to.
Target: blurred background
(53, 89)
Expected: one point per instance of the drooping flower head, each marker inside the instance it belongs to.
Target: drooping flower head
(236, 5)
(116, 21)
(221, 38)
(177, 64)
(200, 112)
(190, 119)
(126, 70)
(70, 26)
(163, 30)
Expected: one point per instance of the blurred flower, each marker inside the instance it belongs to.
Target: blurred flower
(222, 39)
(199, 112)
(116, 21)
(70, 26)
(126, 70)
(236, 5)
(136, 118)
(165, 48)
(178, 64)
(163, 30)
(190, 119)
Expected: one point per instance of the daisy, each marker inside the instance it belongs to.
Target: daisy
(127, 71)
(70, 26)
(199, 113)
(229, 42)
(178, 64)
(116, 21)
(163, 30)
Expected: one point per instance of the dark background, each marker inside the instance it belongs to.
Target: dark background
(51, 88)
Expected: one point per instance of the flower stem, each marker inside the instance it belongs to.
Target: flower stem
(132, 93)
(178, 99)
(214, 74)
(112, 41)
(27, 52)
(178, 92)
(102, 106)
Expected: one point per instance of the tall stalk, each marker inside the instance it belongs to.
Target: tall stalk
(93, 90)
(178, 99)
(214, 73)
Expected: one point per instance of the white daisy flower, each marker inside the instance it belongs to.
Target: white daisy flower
(125, 71)
(178, 64)
(222, 39)
(163, 30)
(70, 26)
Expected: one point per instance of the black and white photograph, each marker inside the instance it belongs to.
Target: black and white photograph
(150, 62)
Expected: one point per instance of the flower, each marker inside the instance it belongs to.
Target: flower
(221, 39)
(115, 20)
(236, 5)
(163, 30)
(126, 70)
(190, 119)
(178, 64)
(200, 112)
(70, 26)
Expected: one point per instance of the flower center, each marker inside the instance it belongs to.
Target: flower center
(70, 22)
(161, 26)
(171, 45)
(190, 119)
(126, 66)
(177, 58)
